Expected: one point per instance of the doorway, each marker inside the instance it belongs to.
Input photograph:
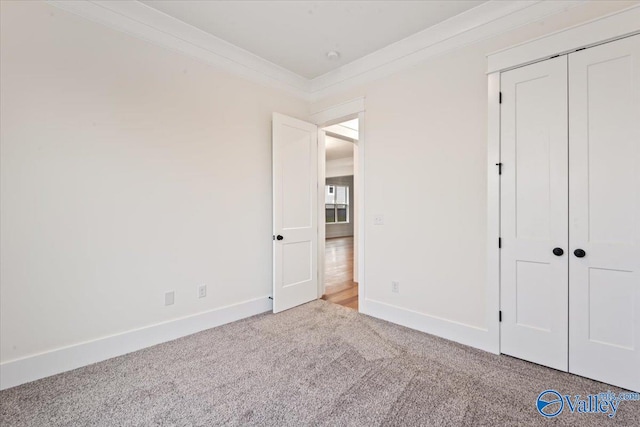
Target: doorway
(298, 150)
(340, 271)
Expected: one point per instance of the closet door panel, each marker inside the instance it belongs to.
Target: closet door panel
(534, 213)
(604, 145)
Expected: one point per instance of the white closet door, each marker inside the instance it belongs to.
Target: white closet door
(534, 213)
(604, 123)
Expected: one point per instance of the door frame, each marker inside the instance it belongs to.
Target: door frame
(604, 29)
(349, 110)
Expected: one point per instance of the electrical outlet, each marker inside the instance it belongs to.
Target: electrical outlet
(378, 219)
(169, 298)
(202, 291)
(395, 287)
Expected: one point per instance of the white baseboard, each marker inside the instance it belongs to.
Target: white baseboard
(31, 368)
(455, 331)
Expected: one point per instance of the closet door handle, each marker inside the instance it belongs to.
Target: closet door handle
(579, 253)
(558, 251)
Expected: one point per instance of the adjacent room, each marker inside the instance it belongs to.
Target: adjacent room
(340, 272)
(338, 213)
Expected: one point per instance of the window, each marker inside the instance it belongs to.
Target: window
(336, 204)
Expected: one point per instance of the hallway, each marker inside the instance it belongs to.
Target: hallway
(339, 285)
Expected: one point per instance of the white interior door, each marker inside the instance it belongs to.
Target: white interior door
(295, 212)
(604, 117)
(534, 213)
(322, 168)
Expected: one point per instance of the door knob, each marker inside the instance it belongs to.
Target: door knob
(279, 237)
(558, 251)
(579, 253)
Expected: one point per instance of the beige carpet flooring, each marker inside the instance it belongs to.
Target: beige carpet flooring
(318, 364)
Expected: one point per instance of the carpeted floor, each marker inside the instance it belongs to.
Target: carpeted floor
(318, 364)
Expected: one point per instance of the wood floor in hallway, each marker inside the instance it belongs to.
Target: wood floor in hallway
(338, 273)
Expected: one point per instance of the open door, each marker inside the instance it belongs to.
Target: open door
(295, 212)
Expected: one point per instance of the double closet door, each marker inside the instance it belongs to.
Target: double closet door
(570, 213)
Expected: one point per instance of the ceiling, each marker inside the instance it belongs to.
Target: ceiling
(338, 148)
(351, 124)
(283, 44)
(296, 35)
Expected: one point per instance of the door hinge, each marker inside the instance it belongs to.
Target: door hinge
(499, 97)
(500, 316)
(499, 165)
(499, 242)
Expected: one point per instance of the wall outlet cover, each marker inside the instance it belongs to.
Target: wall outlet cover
(395, 287)
(169, 298)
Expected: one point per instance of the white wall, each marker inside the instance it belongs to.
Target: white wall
(128, 170)
(339, 167)
(425, 171)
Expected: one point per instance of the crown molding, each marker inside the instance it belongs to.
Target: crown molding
(603, 29)
(146, 23)
(484, 21)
